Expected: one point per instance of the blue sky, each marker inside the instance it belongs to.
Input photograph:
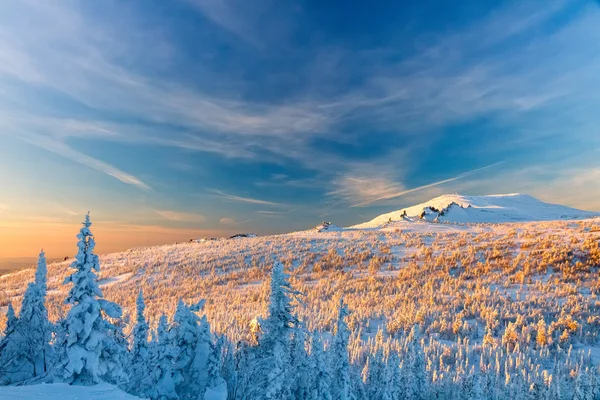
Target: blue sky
(217, 116)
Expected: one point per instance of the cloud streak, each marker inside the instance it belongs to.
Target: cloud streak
(365, 188)
(62, 149)
(240, 199)
(430, 185)
(227, 221)
(180, 216)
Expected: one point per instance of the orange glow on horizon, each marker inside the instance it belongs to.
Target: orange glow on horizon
(59, 239)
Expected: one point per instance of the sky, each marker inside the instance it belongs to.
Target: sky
(169, 120)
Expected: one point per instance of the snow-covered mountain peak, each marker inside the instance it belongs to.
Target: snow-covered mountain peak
(499, 208)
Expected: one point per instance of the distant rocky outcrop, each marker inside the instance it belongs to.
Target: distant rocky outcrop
(327, 227)
(243, 235)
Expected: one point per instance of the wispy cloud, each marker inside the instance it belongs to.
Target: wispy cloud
(307, 183)
(245, 221)
(417, 93)
(181, 216)
(430, 185)
(264, 212)
(62, 149)
(227, 221)
(365, 188)
(240, 199)
(259, 23)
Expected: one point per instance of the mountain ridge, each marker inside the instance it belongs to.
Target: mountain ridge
(496, 208)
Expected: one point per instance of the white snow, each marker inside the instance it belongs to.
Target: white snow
(218, 393)
(455, 208)
(62, 391)
(114, 279)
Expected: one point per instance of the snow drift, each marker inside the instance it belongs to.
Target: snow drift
(62, 391)
(501, 208)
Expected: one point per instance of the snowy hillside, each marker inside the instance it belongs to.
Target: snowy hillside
(481, 209)
(430, 310)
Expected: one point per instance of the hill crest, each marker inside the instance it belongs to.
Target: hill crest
(498, 208)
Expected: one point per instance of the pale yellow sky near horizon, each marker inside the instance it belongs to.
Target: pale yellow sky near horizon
(59, 239)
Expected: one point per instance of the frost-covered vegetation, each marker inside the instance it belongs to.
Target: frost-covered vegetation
(414, 310)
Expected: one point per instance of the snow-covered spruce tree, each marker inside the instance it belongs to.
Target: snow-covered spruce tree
(216, 387)
(582, 386)
(594, 383)
(302, 365)
(228, 367)
(41, 274)
(367, 376)
(271, 367)
(237, 368)
(11, 321)
(86, 328)
(340, 364)
(394, 375)
(33, 319)
(115, 356)
(7, 338)
(160, 381)
(191, 336)
(417, 383)
(27, 349)
(321, 377)
(376, 376)
(138, 365)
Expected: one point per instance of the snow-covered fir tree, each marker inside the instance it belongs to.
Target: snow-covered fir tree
(86, 328)
(139, 354)
(11, 321)
(216, 387)
(160, 380)
(114, 356)
(192, 339)
(27, 352)
(6, 355)
(341, 386)
(271, 369)
(321, 382)
(239, 372)
(41, 274)
(583, 390)
(416, 388)
(393, 366)
(301, 365)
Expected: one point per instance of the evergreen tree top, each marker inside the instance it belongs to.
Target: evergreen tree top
(11, 319)
(162, 330)
(41, 272)
(141, 306)
(86, 262)
(343, 312)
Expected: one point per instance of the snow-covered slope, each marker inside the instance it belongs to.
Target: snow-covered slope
(61, 391)
(481, 209)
